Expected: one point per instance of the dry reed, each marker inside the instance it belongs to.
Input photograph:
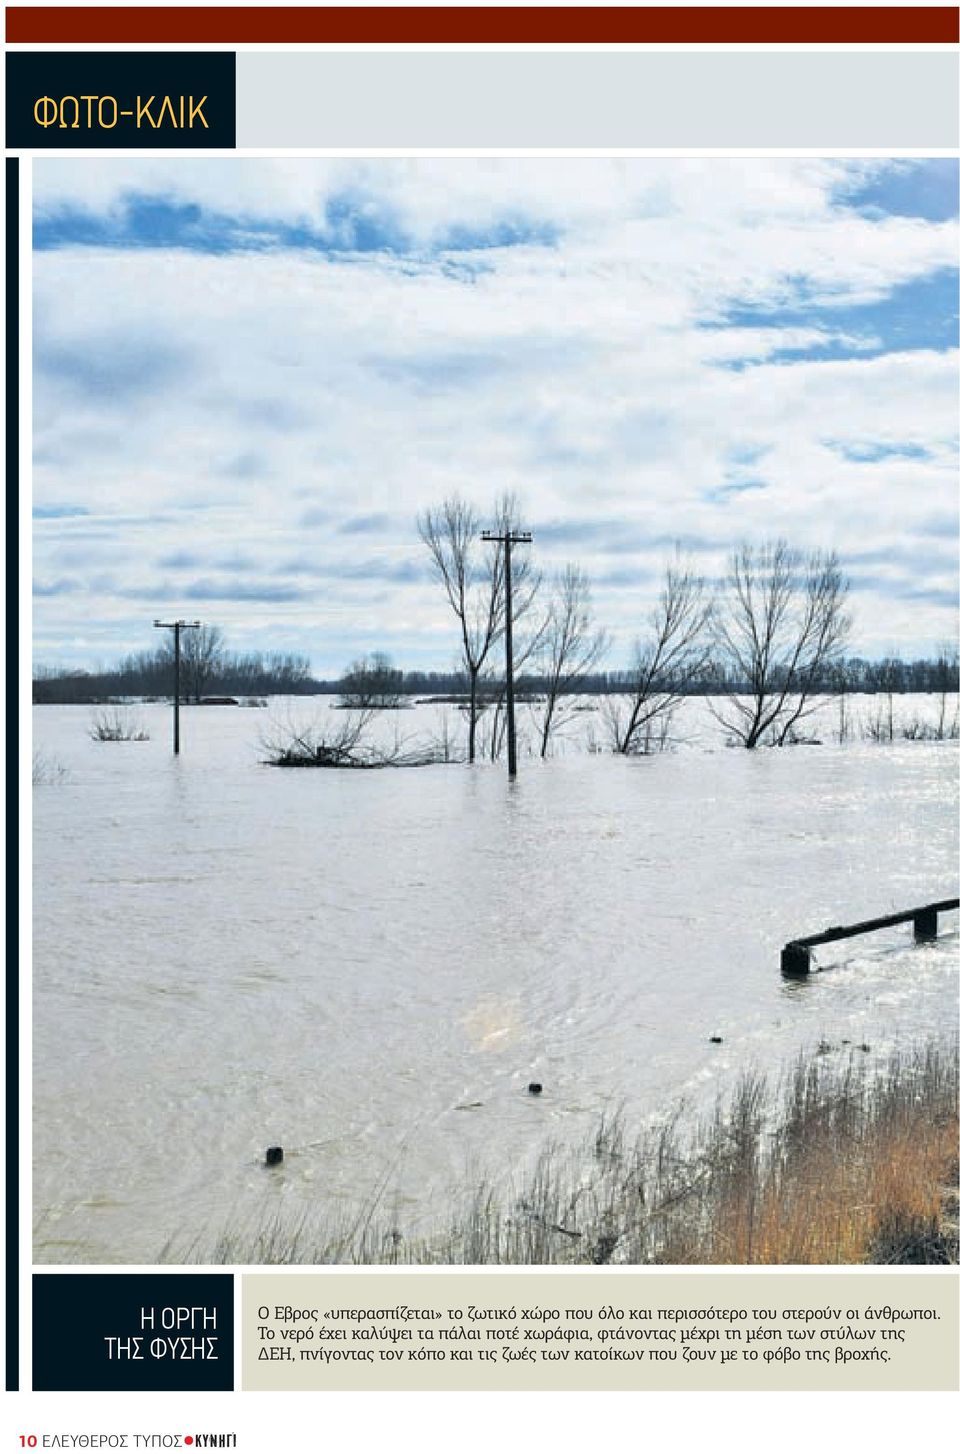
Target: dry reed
(841, 1162)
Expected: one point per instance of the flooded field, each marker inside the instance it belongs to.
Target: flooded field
(369, 967)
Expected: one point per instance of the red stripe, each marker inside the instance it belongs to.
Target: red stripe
(581, 24)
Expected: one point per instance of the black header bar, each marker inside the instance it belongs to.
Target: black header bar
(120, 99)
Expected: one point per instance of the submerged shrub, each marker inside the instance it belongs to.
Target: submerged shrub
(118, 724)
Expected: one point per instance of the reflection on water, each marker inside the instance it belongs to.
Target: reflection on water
(369, 968)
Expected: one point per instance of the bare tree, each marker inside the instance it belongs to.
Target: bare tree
(888, 677)
(946, 669)
(837, 679)
(783, 624)
(571, 645)
(372, 683)
(201, 657)
(471, 572)
(445, 742)
(667, 662)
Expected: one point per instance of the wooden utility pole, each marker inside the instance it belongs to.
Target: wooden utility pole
(176, 627)
(508, 539)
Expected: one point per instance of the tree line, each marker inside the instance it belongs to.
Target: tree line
(376, 679)
(207, 668)
(764, 644)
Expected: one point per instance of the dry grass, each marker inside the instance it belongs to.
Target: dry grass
(47, 770)
(856, 1170)
(841, 1162)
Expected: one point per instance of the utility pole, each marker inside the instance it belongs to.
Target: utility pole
(508, 539)
(176, 627)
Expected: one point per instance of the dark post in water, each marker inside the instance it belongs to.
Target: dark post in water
(508, 538)
(176, 627)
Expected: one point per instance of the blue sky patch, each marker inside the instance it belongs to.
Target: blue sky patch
(732, 487)
(353, 222)
(928, 188)
(864, 451)
(922, 313)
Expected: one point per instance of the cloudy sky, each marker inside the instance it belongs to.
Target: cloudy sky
(249, 376)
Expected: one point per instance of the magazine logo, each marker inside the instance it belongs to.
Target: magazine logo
(72, 112)
(119, 99)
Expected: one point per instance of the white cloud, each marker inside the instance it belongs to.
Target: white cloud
(206, 406)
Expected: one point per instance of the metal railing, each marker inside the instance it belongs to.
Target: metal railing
(795, 956)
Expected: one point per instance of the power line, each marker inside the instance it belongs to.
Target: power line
(507, 539)
(176, 627)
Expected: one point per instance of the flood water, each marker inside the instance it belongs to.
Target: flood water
(369, 967)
